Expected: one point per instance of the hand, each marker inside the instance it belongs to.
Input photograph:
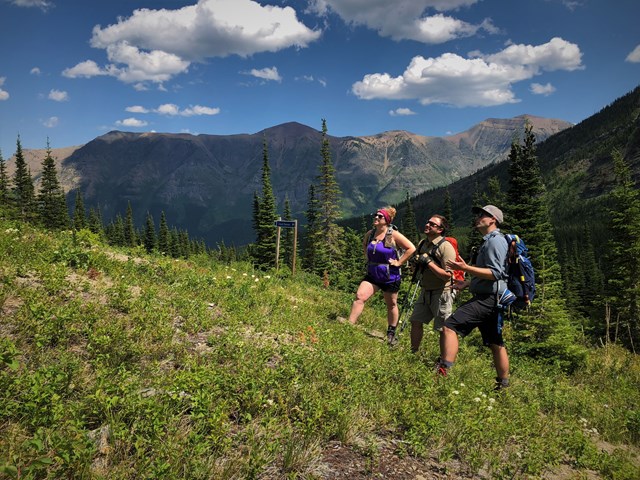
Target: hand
(394, 263)
(423, 259)
(453, 265)
(460, 284)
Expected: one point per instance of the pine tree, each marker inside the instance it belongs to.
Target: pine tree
(409, 227)
(94, 221)
(79, 213)
(623, 274)
(149, 234)
(447, 211)
(52, 206)
(286, 245)
(494, 194)
(328, 237)
(4, 182)
(175, 243)
(311, 229)
(115, 232)
(23, 191)
(130, 237)
(164, 236)
(264, 250)
(546, 330)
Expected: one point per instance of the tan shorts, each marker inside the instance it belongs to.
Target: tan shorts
(433, 305)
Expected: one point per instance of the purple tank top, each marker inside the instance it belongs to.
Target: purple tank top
(378, 267)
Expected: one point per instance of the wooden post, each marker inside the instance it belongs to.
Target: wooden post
(278, 245)
(295, 246)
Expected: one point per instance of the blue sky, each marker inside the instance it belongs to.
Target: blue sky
(72, 70)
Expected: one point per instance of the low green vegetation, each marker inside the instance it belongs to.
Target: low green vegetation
(123, 365)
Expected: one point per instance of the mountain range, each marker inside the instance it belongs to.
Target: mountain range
(206, 183)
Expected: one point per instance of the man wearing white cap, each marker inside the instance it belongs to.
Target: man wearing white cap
(488, 274)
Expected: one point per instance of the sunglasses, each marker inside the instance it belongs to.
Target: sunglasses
(378, 215)
(435, 225)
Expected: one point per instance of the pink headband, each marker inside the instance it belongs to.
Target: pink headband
(386, 215)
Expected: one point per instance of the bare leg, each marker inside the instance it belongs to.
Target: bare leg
(417, 331)
(448, 345)
(391, 299)
(500, 360)
(365, 290)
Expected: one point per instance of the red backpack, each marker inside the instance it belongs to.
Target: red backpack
(457, 274)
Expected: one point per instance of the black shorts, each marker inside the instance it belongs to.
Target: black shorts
(392, 287)
(482, 312)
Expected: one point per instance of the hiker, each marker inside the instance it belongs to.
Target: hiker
(487, 283)
(436, 298)
(383, 267)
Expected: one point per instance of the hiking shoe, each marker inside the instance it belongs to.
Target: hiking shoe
(441, 370)
(501, 384)
(392, 340)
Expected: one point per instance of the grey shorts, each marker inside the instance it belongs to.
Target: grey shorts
(433, 305)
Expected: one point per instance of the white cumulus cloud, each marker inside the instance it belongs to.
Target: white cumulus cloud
(51, 122)
(41, 4)
(265, 74)
(4, 95)
(86, 69)
(539, 89)
(131, 122)
(172, 110)
(58, 95)
(634, 56)
(35, 71)
(155, 45)
(408, 19)
(401, 112)
(483, 81)
(136, 109)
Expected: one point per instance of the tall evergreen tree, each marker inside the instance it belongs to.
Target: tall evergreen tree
(79, 212)
(264, 250)
(149, 234)
(130, 236)
(52, 206)
(164, 236)
(447, 210)
(546, 331)
(410, 228)
(94, 221)
(311, 230)
(4, 182)
(328, 238)
(623, 279)
(23, 191)
(286, 244)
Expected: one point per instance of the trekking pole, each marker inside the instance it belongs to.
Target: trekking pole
(407, 303)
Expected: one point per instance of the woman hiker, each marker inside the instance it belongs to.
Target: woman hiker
(381, 249)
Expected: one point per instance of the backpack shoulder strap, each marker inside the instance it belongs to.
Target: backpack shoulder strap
(434, 249)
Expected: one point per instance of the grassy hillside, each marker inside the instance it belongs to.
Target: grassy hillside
(119, 365)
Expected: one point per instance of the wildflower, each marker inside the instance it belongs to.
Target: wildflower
(489, 407)
(244, 274)
(461, 384)
(267, 276)
(228, 277)
(492, 400)
(477, 399)
(455, 392)
(257, 280)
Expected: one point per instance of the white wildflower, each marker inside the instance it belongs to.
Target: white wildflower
(257, 280)
(492, 400)
(456, 392)
(477, 399)
(489, 407)
(267, 276)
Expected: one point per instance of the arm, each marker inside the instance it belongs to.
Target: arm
(448, 254)
(402, 242)
(365, 240)
(480, 272)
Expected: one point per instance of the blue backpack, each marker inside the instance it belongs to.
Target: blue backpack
(521, 278)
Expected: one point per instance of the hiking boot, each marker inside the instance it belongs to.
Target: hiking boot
(441, 369)
(501, 384)
(392, 340)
